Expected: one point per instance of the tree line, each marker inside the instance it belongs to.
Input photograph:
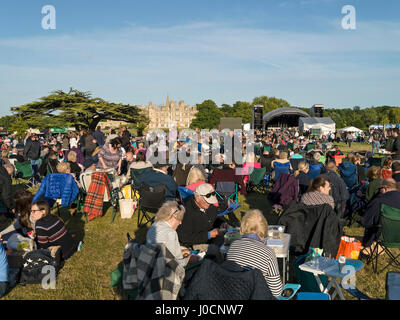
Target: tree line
(79, 109)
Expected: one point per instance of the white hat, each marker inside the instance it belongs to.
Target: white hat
(206, 189)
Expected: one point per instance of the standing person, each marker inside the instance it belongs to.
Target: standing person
(375, 142)
(126, 138)
(110, 156)
(32, 153)
(99, 136)
(396, 144)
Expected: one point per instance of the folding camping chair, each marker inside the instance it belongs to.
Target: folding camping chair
(315, 170)
(257, 180)
(227, 191)
(135, 179)
(151, 199)
(389, 237)
(24, 172)
(111, 196)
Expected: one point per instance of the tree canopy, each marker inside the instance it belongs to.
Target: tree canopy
(75, 108)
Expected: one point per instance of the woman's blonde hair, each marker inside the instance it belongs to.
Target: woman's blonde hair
(169, 209)
(254, 222)
(195, 175)
(4, 154)
(63, 167)
(72, 156)
(374, 172)
(283, 155)
(303, 166)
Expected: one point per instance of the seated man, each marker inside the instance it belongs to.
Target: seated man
(390, 196)
(396, 171)
(158, 175)
(6, 195)
(200, 225)
(338, 187)
(126, 163)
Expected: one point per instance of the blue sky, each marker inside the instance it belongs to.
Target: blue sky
(225, 50)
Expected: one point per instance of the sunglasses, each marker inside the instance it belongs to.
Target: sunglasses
(208, 195)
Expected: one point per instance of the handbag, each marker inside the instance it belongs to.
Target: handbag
(349, 247)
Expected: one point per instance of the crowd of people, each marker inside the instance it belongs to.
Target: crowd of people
(323, 173)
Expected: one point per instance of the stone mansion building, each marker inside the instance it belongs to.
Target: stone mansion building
(169, 116)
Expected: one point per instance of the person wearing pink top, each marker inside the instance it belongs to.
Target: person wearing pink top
(251, 162)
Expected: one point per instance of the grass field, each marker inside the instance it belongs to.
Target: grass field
(86, 276)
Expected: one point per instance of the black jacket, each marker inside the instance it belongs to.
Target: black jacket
(5, 188)
(227, 281)
(338, 186)
(32, 150)
(370, 219)
(312, 226)
(196, 224)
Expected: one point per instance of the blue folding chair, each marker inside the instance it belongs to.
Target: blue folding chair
(313, 296)
(280, 168)
(314, 171)
(185, 193)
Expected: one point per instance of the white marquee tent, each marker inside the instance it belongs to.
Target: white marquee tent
(317, 126)
(350, 129)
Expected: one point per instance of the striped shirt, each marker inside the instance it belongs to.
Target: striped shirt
(254, 254)
(51, 231)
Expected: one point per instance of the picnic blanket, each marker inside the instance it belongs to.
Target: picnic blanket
(93, 206)
(153, 270)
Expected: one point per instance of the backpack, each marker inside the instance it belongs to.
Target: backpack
(33, 264)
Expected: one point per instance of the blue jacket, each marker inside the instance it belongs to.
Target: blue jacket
(3, 265)
(58, 186)
(154, 177)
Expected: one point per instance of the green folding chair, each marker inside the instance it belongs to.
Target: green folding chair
(24, 172)
(135, 179)
(256, 181)
(389, 237)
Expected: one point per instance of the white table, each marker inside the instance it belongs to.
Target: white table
(330, 267)
(283, 253)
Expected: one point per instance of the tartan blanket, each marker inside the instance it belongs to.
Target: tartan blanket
(153, 270)
(94, 199)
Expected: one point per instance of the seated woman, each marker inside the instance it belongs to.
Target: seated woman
(163, 230)
(387, 168)
(296, 154)
(251, 162)
(22, 225)
(374, 177)
(195, 178)
(318, 193)
(49, 163)
(361, 175)
(76, 169)
(281, 165)
(140, 148)
(251, 251)
(301, 174)
(50, 230)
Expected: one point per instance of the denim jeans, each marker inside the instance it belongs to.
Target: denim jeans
(375, 145)
(35, 168)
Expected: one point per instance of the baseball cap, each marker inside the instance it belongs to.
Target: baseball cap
(207, 192)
